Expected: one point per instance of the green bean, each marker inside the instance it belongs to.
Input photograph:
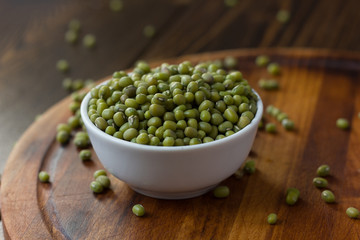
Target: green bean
(101, 123)
(155, 122)
(270, 128)
(352, 212)
(268, 84)
(190, 132)
(169, 141)
(170, 125)
(225, 126)
(249, 167)
(74, 25)
(63, 136)
(231, 115)
(110, 130)
(157, 110)
(243, 122)
(273, 68)
(292, 196)
(103, 180)
(194, 141)
(239, 173)
(130, 134)
(63, 127)
(85, 154)
(116, 5)
(323, 170)
(221, 192)
(272, 218)
(230, 62)
(89, 41)
(283, 16)
(71, 36)
(205, 116)
(262, 60)
(138, 210)
(63, 65)
(96, 187)
(44, 176)
(281, 117)
(81, 142)
(216, 119)
(244, 107)
(207, 139)
(149, 31)
(288, 124)
(328, 196)
(320, 182)
(99, 172)
(342, 123)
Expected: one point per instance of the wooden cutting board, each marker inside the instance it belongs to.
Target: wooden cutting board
(316, 88)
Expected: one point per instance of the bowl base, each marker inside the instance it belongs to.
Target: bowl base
(173, 195)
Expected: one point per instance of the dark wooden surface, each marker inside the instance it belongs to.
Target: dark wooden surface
(32, 40)
(316, 88)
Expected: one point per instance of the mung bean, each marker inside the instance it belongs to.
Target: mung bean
(352, 212)
(138, 210)
(328, 196)
(272, 218)
(221, 191)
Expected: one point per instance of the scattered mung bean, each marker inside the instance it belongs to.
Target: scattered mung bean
(283, 16)
(328, 196)
(116, 5)
(288, 124)
(320, 182)
(44, 176)
(239, 173)
(62, 65)
(352, 212)
(99, 172)
(270, 128)
(292, 196)
(85, 154)
(89, 41)
(221, 191)
(138, 210)
(268, 84)
(103, 180)
(230, 62)
(63, 136)
(149, 31)
(342, 123)
(71, 36)
(96, 187)
(249, 167)
(74, 25)
(230, 3)
(323, 170)
(272, 218)
(262, 60)
(273, 68)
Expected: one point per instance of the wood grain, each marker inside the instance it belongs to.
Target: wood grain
(316, 88)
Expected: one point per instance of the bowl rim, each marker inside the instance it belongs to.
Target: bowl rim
(136, 146)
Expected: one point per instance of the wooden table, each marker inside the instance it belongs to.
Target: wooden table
(32, 40)
(316, 88)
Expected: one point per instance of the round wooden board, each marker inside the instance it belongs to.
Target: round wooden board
(316, 88)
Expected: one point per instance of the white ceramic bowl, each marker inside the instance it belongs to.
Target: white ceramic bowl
(172, 172)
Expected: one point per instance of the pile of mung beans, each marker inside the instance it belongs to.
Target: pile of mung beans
(173, 105)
